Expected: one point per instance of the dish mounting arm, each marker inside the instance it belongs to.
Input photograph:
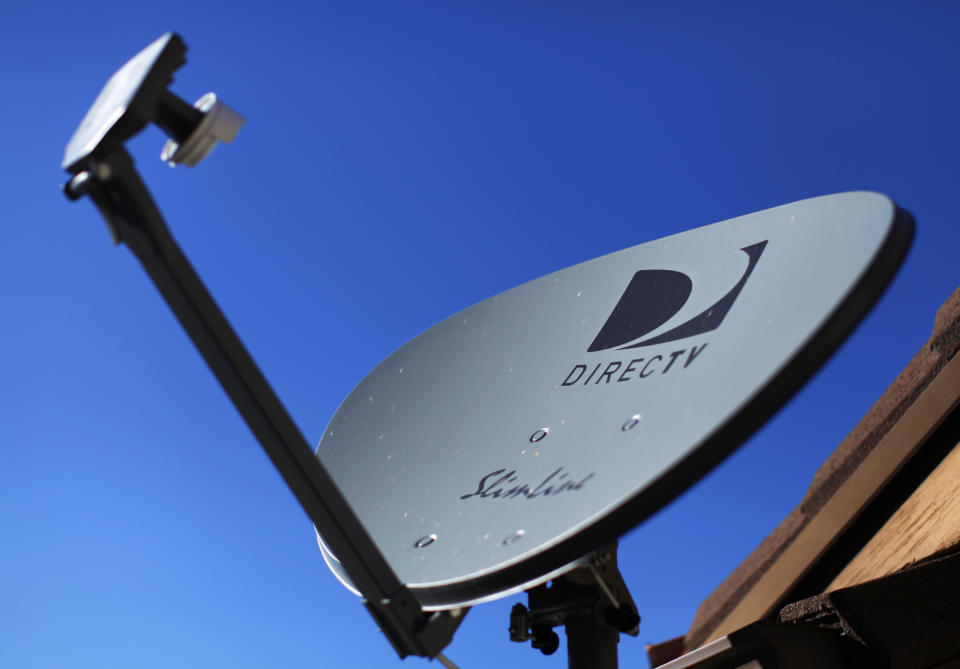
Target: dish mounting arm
(104, 171)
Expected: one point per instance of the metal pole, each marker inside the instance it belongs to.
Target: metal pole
(591, 644)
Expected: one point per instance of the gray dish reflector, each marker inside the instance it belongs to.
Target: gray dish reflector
(500, 446)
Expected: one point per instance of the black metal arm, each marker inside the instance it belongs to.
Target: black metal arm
(107, 174)
(133, 218)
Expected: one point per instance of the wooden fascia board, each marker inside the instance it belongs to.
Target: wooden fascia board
(877, 469)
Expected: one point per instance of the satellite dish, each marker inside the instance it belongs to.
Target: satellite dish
(500, 447)
(515, 441)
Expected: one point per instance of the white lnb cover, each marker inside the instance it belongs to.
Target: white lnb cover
(219, 123)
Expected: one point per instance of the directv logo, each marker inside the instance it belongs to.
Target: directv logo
(651, 299)
(654, 296)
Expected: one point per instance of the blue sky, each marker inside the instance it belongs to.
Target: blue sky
(402, 161)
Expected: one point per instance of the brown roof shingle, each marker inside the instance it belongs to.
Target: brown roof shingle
(909, 384)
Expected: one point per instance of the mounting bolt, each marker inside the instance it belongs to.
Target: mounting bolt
(423, 542)
(513, 537)
(544, 639)
(623, 619)
(518, 623)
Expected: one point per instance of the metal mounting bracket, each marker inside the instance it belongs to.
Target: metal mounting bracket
(103, 170)
(593, 604)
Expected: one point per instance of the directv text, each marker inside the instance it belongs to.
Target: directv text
(621, 371)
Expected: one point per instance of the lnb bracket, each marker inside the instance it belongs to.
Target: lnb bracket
(138, 94)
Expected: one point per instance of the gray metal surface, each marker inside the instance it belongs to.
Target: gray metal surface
(501, 445)
(126, 102)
